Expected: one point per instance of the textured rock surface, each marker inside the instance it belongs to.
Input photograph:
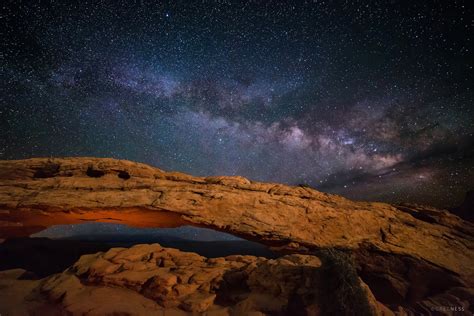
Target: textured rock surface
(401, 250)
(64, 294)
(149, 279)
(193, 283)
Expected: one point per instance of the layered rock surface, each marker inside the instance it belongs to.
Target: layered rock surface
(397, 247)
(150, 279)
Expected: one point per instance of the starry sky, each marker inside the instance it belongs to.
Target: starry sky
(372, 100)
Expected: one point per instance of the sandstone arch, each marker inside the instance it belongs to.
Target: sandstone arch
(37, 193)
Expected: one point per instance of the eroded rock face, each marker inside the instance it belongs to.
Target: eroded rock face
(404, 281)
(405, 240)
(193, 283)
(165, 279)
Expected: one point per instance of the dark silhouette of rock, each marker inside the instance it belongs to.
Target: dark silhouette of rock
(43, 256)
(466, 209)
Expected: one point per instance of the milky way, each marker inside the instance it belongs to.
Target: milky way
(370, 101)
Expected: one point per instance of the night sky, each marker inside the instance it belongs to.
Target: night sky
(370, 100)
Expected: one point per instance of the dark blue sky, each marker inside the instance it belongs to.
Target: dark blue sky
(368, 100)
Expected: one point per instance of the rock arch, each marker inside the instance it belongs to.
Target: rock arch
(299, 219)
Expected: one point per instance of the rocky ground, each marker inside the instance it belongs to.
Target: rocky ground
(152, 280)
(412, 258)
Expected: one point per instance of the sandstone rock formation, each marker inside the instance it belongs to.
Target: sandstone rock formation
(149, 279)
(407, 254)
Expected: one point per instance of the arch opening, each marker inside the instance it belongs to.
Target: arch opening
(58, 247)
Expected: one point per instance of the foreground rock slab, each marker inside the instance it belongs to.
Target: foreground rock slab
(150, 279)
